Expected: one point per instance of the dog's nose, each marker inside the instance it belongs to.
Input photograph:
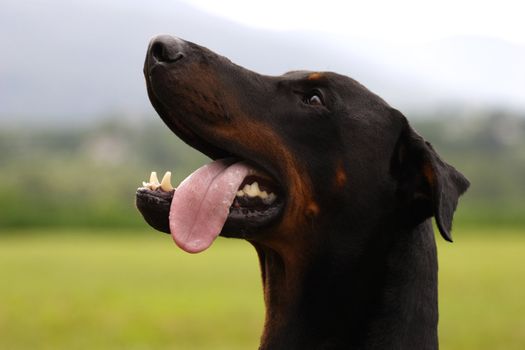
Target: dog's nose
(166, 48)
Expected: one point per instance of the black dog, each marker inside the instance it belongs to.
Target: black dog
(339, 196)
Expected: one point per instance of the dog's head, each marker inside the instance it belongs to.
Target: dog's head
(322, 149)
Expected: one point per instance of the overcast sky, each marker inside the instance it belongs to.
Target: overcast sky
(397, 22)
(417, 55)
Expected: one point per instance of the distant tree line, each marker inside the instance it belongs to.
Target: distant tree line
(88, 176)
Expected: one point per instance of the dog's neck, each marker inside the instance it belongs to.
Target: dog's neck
(384, 297)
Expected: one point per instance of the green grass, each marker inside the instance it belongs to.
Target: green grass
(73, 290)
(482, 290)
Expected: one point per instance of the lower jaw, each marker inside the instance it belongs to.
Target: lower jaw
(242, 222)
(243, 225)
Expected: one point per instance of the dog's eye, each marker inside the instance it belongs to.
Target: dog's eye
(314, 100)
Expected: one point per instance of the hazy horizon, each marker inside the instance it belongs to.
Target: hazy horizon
(72, 62)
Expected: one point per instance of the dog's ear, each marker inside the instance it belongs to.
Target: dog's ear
(427, 185)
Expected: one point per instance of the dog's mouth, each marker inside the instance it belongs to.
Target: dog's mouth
(227, 197)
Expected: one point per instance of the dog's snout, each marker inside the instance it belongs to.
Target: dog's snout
(166, 48)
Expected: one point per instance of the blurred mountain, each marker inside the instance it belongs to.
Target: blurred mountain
(480, 71)
(68, 62)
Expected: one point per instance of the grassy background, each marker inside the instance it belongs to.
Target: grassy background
(135, 290)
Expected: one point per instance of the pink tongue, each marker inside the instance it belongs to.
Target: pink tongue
(201, 203)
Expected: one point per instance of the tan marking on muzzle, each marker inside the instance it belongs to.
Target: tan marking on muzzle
(312, 209)
(315, 76)
(340, 176)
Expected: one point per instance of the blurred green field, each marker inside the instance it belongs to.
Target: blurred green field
(78, 290)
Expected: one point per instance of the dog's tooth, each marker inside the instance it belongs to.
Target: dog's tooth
(145, 184)
(153, 179)
(253, 190)
(271, 198)
(165, 184)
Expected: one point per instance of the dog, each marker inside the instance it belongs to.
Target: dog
(330, 184)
